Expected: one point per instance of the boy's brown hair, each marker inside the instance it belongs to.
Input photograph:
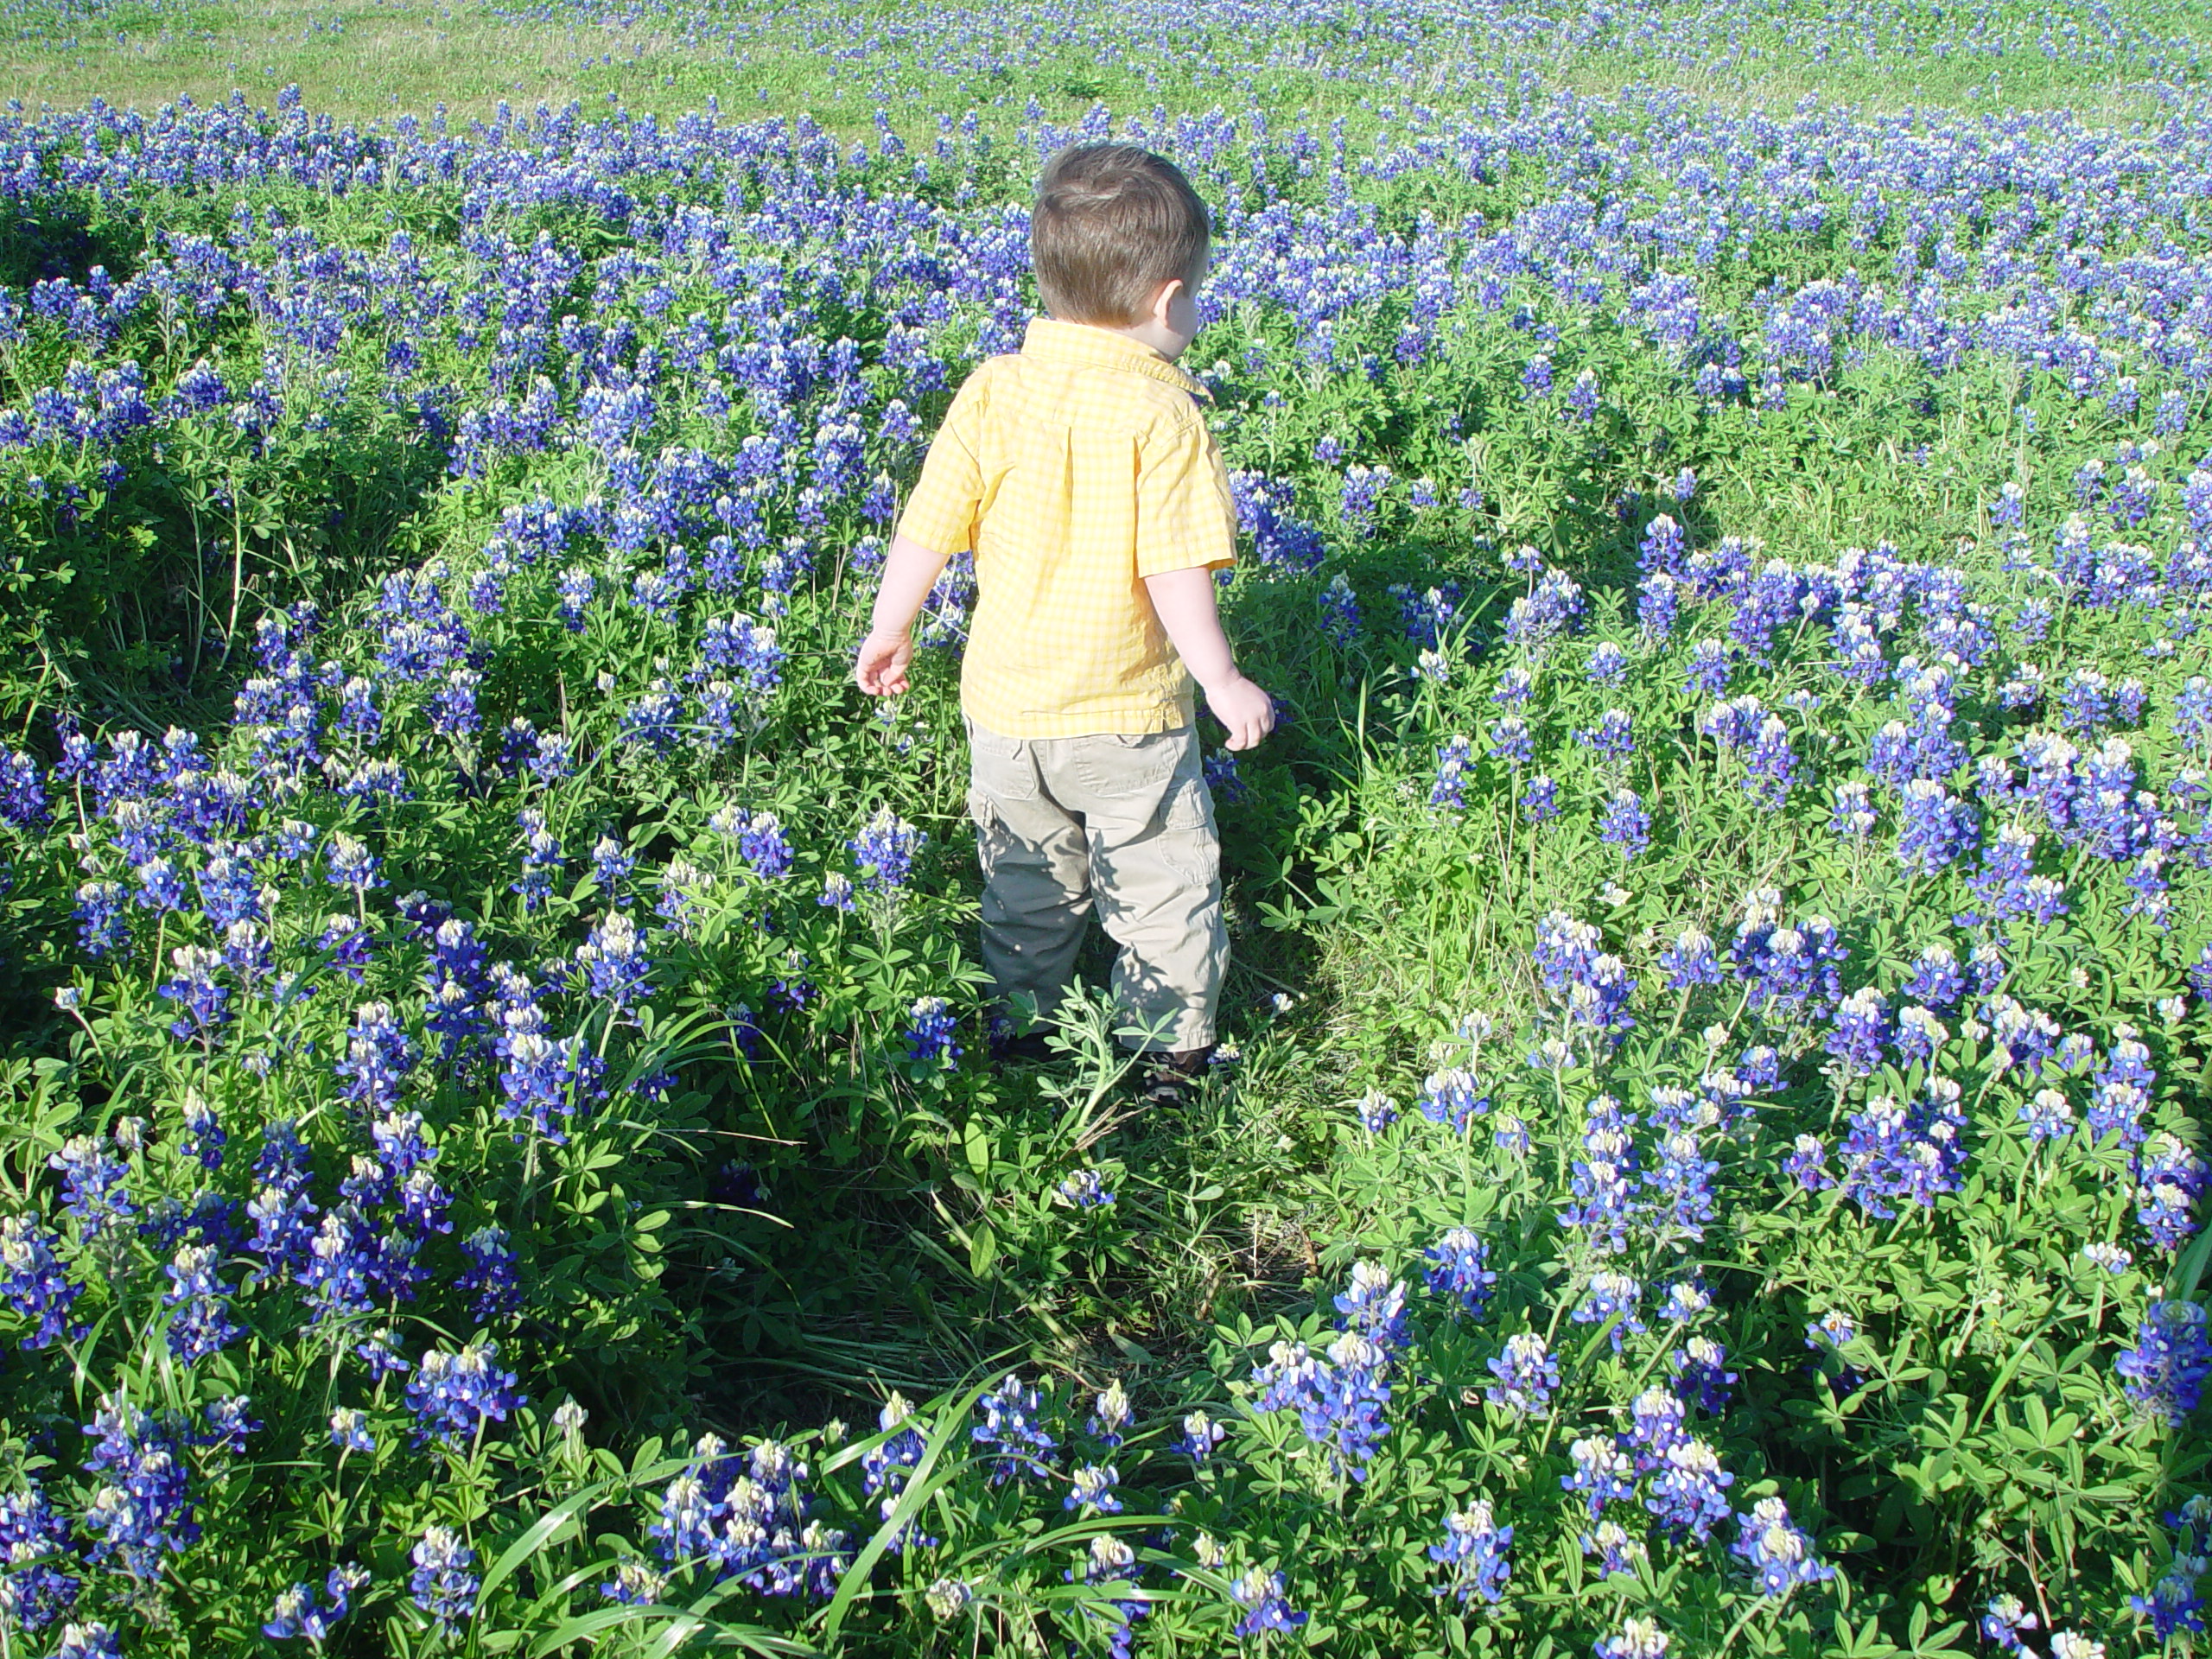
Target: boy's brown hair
(1111, 224)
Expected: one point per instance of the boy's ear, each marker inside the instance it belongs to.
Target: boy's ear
(1165, 298)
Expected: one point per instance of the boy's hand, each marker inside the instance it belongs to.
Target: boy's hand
(1248, 711)
(881, 667)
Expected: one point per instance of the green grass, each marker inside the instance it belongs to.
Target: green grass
(362, 61)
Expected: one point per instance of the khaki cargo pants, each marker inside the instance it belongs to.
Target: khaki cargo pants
(1122, 823)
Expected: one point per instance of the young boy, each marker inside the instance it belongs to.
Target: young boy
(1081, 472)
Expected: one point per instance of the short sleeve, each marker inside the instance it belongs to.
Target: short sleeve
(1185, 519)
(941, 514)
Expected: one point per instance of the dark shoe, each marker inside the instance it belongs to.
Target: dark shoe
(1029, 1049)
(1168, 1078)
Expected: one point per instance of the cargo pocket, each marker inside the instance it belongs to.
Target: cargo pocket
(1190, 846)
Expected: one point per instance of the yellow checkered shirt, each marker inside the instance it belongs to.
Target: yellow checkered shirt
(1075, 468)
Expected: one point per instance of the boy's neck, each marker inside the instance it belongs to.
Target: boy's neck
(1148, 333)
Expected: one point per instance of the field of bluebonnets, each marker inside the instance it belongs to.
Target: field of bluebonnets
(498, 1152)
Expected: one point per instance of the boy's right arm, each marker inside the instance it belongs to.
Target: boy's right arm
(909, 572)
(941, 512)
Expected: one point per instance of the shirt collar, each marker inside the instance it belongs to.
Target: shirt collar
(1078, 342)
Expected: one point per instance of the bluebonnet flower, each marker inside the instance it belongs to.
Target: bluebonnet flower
(441, 1584)
(611, 866)
(2170, 1179)
(2049, 1116)
(201, 1324)
(1261, 1594)
(489, 1278)
(93, 1187)
(453, 1396)
(1657, 1422)
(1453, 1097)
(349, 1430)
(540, 860)
(1012, 1432)
(651, 720)
(2125, 1078)
(1795, 966)
(1612, 1296)
(160, 886)
(1376, 1110)
(1582, 398)
(1686, 1299)
(296, 1613)
(1921, 1035)
(1201, 1434)
(1700, 1374)
(1614, 738)
(2163, 1373)
(352, 865)
(1083, 1190)
(836, 891)
(1459, 1272)
(1780, 1554)
(1339, 1399)
(1861, 1031)
(1608, 663)
(203, 1001)
(1771, 765)
(1620, 1551)
(22, 794)
(101, 930)
(1895, 1154)
(1638, 1638)
(1708, 673)
(1509, 742)
(1373, 1305)
(2174, 1603)
(1474, 1553)
(1626, 823)
(1110, 1415)
(1339, 612)
(1662, 546)
(1553, 607)
(1686, 1491)
(541, 1077)
(141, 1507)
(616, 967)
(204, 1139)
(1934, 827)
(91, 1640)
(1853, 818)
(35, 1283)
(1658, 605)
(886, 1466)
(1449, 791)
(35, 1541)
(885, 851)
(2002, 1621)
(1690, 961)
(378, 1057)
(1601, 1473)
(1513, 689)
(1603, 1178)
(1683, 1179)
(1106, 1560)
(1092, 1490)
(929, 1034)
